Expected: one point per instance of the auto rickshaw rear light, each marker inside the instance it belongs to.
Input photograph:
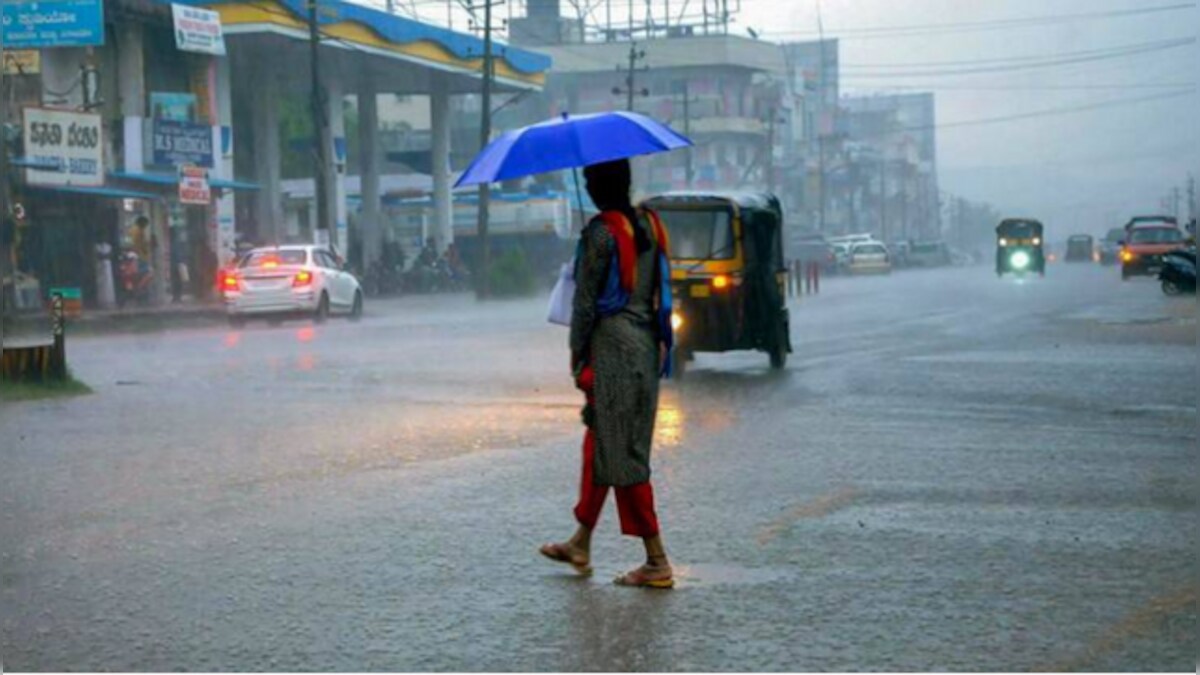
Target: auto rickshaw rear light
(720, 281)
(302, 278)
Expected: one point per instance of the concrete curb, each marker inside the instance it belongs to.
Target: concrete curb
(146, 321)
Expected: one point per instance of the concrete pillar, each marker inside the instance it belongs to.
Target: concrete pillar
(334, 139)
(224, 246)
(369, 218)
(439, 113)
(131, 69)
(268, 170)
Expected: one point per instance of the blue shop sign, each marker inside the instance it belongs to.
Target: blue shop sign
(38, 24)
(176, 142)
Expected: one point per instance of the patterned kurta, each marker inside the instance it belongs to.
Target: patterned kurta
(623, 350)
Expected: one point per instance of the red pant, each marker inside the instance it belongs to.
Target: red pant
(635, 503)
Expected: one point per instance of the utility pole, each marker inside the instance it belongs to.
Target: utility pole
(687, 131)
(883, 221)
(771, 152)
(629, 90)
(1191, 192)
(7, 224)
(1175, 199)
(319, 122)
(484, 288)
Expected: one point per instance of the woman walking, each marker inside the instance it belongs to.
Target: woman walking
(620, 347)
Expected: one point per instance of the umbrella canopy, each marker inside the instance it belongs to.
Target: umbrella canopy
(569, 142)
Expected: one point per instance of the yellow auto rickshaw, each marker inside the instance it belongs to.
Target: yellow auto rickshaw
(728, 276)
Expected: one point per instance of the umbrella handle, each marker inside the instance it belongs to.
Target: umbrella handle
(578, 193)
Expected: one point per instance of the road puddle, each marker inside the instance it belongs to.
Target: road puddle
(718, 574)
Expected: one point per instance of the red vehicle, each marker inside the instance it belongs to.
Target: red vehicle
(1147, 238)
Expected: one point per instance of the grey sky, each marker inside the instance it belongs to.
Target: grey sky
(1079, 172)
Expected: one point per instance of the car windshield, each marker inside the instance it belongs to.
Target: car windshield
(273, 258)
(1156, 235)
(700, 235)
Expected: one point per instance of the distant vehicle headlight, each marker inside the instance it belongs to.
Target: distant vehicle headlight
(676, 320)
(1019, 260)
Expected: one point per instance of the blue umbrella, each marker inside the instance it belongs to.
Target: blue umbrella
(569, 142)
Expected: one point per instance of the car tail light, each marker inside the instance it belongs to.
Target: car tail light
(302, 278)
(229, 281)
(720, 282)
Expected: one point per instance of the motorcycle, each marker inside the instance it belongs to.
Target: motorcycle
(1178, 273)
(135, 278)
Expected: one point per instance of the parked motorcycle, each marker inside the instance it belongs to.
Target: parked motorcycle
(136, 278)
(1178, 273)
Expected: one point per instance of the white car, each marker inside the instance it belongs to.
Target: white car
(841, 256)
(282, 281)
(869, 257)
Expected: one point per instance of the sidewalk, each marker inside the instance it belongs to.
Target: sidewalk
(147, 318)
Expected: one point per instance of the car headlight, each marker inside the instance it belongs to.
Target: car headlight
(676, 320)
(1019, 260)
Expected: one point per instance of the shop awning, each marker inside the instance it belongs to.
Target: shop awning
(222, 184)
(113, 193)
(172, 180)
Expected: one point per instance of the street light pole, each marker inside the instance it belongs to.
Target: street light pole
(485, 133)
(319, 123)
(687, 131)
(6, 222)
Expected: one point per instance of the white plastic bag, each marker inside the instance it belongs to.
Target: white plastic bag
(562, 296)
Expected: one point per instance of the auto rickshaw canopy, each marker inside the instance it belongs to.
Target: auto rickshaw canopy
(1023, 228)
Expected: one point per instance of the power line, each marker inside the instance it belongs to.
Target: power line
(1045, 63)
(1049, 112)
(1023, 59)
(1029, 87)
(995, 24)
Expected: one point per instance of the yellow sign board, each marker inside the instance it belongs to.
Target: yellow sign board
(22, 62)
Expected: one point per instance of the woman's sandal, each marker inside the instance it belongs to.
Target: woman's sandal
(560, 553)
(638, 578)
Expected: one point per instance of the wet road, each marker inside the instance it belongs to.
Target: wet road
(954, 472)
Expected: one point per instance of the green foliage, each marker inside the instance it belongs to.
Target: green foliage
(511, 275)
(35, 391)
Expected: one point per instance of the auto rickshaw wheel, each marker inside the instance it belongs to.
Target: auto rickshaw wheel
(779, 352)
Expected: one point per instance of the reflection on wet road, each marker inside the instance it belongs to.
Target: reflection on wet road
(953, 473)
